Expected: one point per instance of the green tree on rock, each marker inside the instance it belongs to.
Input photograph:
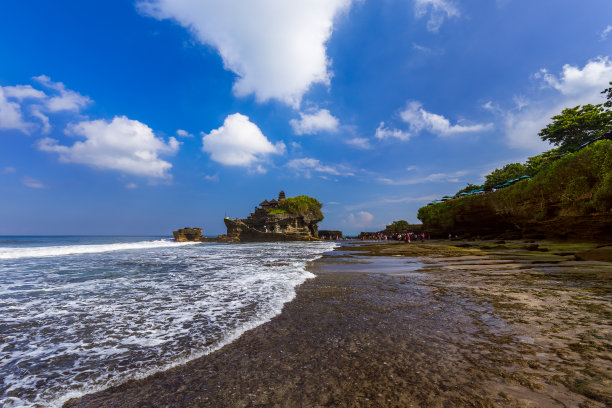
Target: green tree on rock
(508, 172)
(469, 187)
(578, 125)
(608, 93)
(398, 226)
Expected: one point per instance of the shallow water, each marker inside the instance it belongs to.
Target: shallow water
(82, 313)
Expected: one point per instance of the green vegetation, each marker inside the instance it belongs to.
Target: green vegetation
(579, 183)
(576, 126)
(508, 172)
(398, 226)
(300, 205)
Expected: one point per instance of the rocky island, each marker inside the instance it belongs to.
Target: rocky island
(285, 219)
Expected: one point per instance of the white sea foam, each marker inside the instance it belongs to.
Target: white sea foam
(63, 250)
(76, 324)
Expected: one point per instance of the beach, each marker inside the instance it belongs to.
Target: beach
(442, 324)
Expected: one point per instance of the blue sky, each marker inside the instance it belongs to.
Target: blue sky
(138, 117)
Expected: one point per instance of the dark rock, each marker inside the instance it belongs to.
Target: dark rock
(188, 234)
(602, 254)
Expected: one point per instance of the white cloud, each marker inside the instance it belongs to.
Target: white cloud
(17, 100)
(214, 177)
(605, 32)
(307, 165)
(44, 119)
(431, 178)
(439, 10)
(361, 219)
(419, 119)
(574, 86)
(359, 142)
(581, 83)
(183, 133)
(67, 100)
(276, 48)
(21, 92)
(8, 170)
(11, 116)
(312, 123)
(125, 145)
(131, 186)
(383, 132)
(32, 183)
(239, 142)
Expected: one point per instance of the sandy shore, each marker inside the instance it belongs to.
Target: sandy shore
(479, 324)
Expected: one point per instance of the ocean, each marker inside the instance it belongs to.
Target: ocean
(79, 314)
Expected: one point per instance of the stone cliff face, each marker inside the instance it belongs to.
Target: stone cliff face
(496, 216)
(188, 234)
(267, 223)
(569, 198)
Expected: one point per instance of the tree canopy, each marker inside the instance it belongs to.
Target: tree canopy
(578, 125)
(301, 205)
(469, 187)
(508, 172)
(398, 226)
(608, 93)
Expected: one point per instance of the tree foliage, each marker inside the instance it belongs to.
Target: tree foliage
(608, 93)
(302, 205)
(536, 163)
(469, 187)
(576, 126)
(506, 173)
(398, 226)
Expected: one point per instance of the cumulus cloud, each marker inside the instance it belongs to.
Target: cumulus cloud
(21, 92)
(122, 144)
(67, 100)
(239, 142)
(573, 86)
(438, 11)
(32, 183)
(276, 48)
(311, 123)
(581, 83)
(22, 106)
(383, 132)
(361, 219)
(419, 119)
(11, 116)
(183, 133)
(307, 165)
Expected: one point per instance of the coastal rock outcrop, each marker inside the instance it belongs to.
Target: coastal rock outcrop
(188, 235)
(285, 219)
(571, 199)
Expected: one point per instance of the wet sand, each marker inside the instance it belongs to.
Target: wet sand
(480, 324)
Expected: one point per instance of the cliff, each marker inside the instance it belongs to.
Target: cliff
(188, 234)
(570, 199)
(288, 219)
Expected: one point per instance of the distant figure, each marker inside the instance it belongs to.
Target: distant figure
(449, 235)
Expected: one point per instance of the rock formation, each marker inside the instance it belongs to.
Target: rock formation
(271, 221)
(188, 234)
(330, 234)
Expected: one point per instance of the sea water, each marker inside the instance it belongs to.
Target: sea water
(79, 314)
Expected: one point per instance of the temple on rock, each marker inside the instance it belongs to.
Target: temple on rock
(285, 219)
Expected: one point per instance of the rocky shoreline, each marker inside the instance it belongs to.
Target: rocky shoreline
(484, 325)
